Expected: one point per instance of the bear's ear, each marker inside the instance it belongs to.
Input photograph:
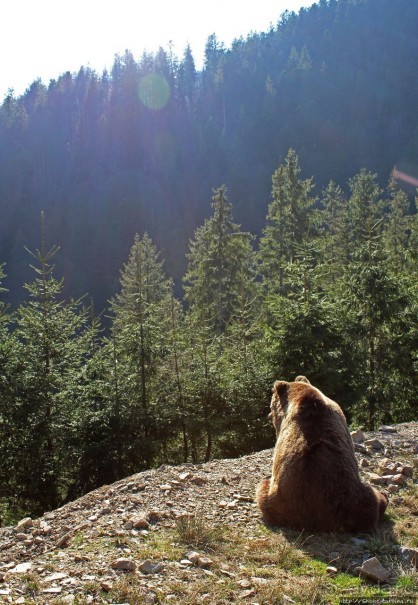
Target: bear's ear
(280, 387)
(302, 379)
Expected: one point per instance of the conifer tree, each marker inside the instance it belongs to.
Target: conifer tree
(288, 223)
(139, 327)
(37, 418)
(220, 275)
(220, 264)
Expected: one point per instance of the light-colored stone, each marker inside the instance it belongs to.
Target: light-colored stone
(374, 444)
(244, 583)
(388, 429)
(24, 524)
(52, 590)
(246, 593)
(364, 463)
(331, 570)
(376, 479)
(148, 567)
(68, 599)
(124, 564)
(357, 436)
(373, 569)
(22, 568)
(184, 476)
(204, 562)
(106, 585)
(399, 480)
(56, 576)
(193, 556)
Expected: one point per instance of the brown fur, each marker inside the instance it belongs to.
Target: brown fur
(315, 483)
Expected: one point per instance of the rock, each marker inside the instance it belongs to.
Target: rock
(246, 593)
(184, 476)
(63, 541)
(22, 568)
(388, 429)
(331, 570)
(362, 449)
(106, 585)
(357, 436)
(359, 541)
(21, 536)
(259, 581)
(193, 556)
(399, 480)
(128, 525)
(364, 463)
(373, 569)
(199, 480)
(52, 590)
(24, 524)
(124, 564)
(409, 555)
(407, 470)
(148, 567)
(375, 444)
(140, 523)
(376, 479)
(68, 599)
(204, 562)
(106, 511)
(4, 591)
(392, 488)
(56, 576)
(244, 584)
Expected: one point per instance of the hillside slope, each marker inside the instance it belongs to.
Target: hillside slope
(93, 550)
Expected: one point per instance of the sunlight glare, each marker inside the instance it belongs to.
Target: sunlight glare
(154, 91)
(407, 178)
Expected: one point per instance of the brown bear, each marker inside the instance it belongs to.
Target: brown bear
(315, 483)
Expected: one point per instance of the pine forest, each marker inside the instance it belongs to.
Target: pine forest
(150, 326)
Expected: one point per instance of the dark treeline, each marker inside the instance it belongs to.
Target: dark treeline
(139, 148)
(329, 291)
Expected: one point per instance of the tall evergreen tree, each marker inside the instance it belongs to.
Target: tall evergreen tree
(289, 221)
(220, 265)
(37, 419)
(139, 327)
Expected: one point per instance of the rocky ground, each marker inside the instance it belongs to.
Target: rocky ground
(153, 536)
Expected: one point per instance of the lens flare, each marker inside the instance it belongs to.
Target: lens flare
(407, 178)
(154, 91)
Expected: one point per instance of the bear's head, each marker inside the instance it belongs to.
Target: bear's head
(280, 401)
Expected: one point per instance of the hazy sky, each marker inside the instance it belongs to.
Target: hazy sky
(45, 38)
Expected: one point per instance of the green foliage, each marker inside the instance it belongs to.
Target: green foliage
(333, 297)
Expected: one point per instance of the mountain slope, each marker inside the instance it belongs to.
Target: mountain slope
(93, 549)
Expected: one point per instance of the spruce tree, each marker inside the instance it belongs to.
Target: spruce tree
(220, 265)
(289, 223)
(139, 327)
(37, 418)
